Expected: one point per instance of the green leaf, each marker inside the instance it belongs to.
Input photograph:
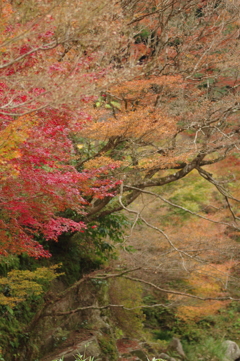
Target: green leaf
(116, 105)
(108, 106)
(10, 310)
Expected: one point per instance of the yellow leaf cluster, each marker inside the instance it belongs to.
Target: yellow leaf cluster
(22, 284)
(14, 134)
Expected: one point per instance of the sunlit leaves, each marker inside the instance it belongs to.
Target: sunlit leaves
(18, 285)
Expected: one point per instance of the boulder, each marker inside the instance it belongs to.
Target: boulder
(176, 346)
(87, 348)
(232, 350)
(166, 357)
(140, 355)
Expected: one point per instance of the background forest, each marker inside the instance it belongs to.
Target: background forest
(119, 158)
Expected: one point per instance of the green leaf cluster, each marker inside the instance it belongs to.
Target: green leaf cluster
(190, 194)
(107, 102)
(209, 349)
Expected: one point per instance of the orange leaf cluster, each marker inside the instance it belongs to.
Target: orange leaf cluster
(207, 281)
(134, 87)
(163, 161)
(143, 123)
(101, 161)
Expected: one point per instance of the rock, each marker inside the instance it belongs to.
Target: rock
(140, 354)
(232, 350)
(175, 345)
(87, 348)
(164, 356)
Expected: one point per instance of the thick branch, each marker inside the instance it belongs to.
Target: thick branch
(127, 200)
(171, 177)
(112, 143)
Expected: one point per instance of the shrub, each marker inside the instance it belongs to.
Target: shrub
(208, 349)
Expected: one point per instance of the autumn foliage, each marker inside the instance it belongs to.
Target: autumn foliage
(38, 122)
(102, 94)
(127, 106)
(179, 110)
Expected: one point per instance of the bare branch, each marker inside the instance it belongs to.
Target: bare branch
(208, 176)
(183, 208)
(49, 46)
(180, 293)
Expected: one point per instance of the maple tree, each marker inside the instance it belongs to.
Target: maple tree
(104, 101)
(144, 97)
(42, 54)
(177, 115)
(181, 111)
